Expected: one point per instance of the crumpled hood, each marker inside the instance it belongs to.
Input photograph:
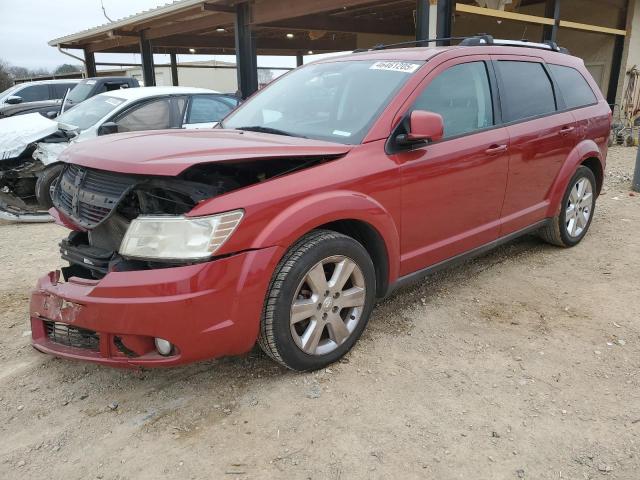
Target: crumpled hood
(170, 152)
(16, 133)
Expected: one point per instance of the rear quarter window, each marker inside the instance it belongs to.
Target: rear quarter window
(574, 88)
(526, 90)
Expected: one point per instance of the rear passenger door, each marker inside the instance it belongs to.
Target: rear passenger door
(540, 137)
(592, 121)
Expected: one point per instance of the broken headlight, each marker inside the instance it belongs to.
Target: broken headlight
(178, 237)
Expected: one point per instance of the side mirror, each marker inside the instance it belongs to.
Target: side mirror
(51, 114)
(13, 100)
(108, 128)
(423, 126)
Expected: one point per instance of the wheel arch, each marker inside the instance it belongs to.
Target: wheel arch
(584, 153)
(350, 213)
(594, 164)
(372, 241)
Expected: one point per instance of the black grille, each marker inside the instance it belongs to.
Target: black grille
(64, 334)
(88, 196)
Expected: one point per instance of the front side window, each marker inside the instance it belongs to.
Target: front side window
(462, 95)
(574, 88)
(526, 90)
(335, 101)
(153, 115)
(34, 93)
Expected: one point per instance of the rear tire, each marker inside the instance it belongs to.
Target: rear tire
(319, 301)
(43, 186)
(570, 226)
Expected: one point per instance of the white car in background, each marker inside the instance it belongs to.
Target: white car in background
(37, 91)
(30, 144)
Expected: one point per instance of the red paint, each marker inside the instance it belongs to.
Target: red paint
(428, 205)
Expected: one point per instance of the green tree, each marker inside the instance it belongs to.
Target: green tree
(5, 79)
(66, 68)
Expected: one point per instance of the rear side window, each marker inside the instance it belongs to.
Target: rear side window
(207, 109)
(574, 88)
(461, 94)
(526, 90)
(60, 90)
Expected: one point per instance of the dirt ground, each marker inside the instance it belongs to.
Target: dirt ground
(521, 364)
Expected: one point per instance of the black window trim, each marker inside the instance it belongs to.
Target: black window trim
(569, 109)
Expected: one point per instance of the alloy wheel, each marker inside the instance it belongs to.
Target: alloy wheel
(327, 305)
(579, 207)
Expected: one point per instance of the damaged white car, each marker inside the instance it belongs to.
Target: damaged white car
(30, 144)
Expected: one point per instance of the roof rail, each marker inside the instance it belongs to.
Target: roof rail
(546, 45)
(480, 39)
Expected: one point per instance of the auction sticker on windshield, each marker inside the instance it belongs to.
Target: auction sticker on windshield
(114, 101)
(395, 66)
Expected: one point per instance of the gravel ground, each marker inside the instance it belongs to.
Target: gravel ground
(520, 364)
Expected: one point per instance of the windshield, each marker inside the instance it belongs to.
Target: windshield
(335, 101)
(81, 91)
(88, 113)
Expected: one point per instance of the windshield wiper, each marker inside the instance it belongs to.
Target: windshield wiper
(275, 131)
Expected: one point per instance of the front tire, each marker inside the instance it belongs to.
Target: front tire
(44, 184)
(570, 226)
(319, 301)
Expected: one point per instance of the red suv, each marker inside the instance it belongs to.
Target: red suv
(327, 190)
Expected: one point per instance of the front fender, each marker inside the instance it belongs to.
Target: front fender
(583, 150)
(318, 209)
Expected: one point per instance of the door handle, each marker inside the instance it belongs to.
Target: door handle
(566, 130)
(495, 149)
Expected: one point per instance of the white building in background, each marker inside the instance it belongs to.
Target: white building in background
(213, 74)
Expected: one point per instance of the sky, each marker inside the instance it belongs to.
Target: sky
(26, 26)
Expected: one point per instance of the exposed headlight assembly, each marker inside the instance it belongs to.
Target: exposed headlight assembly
(178, 237)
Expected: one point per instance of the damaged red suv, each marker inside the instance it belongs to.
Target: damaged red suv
(327, 190)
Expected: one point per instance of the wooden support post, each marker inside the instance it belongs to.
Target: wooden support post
(148, 69)
(90, 64)
(246, 58)
(551, 9)
(422, 19)
(443, 29)
(174, 69)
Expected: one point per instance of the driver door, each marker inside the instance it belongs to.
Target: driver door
(453, 189)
